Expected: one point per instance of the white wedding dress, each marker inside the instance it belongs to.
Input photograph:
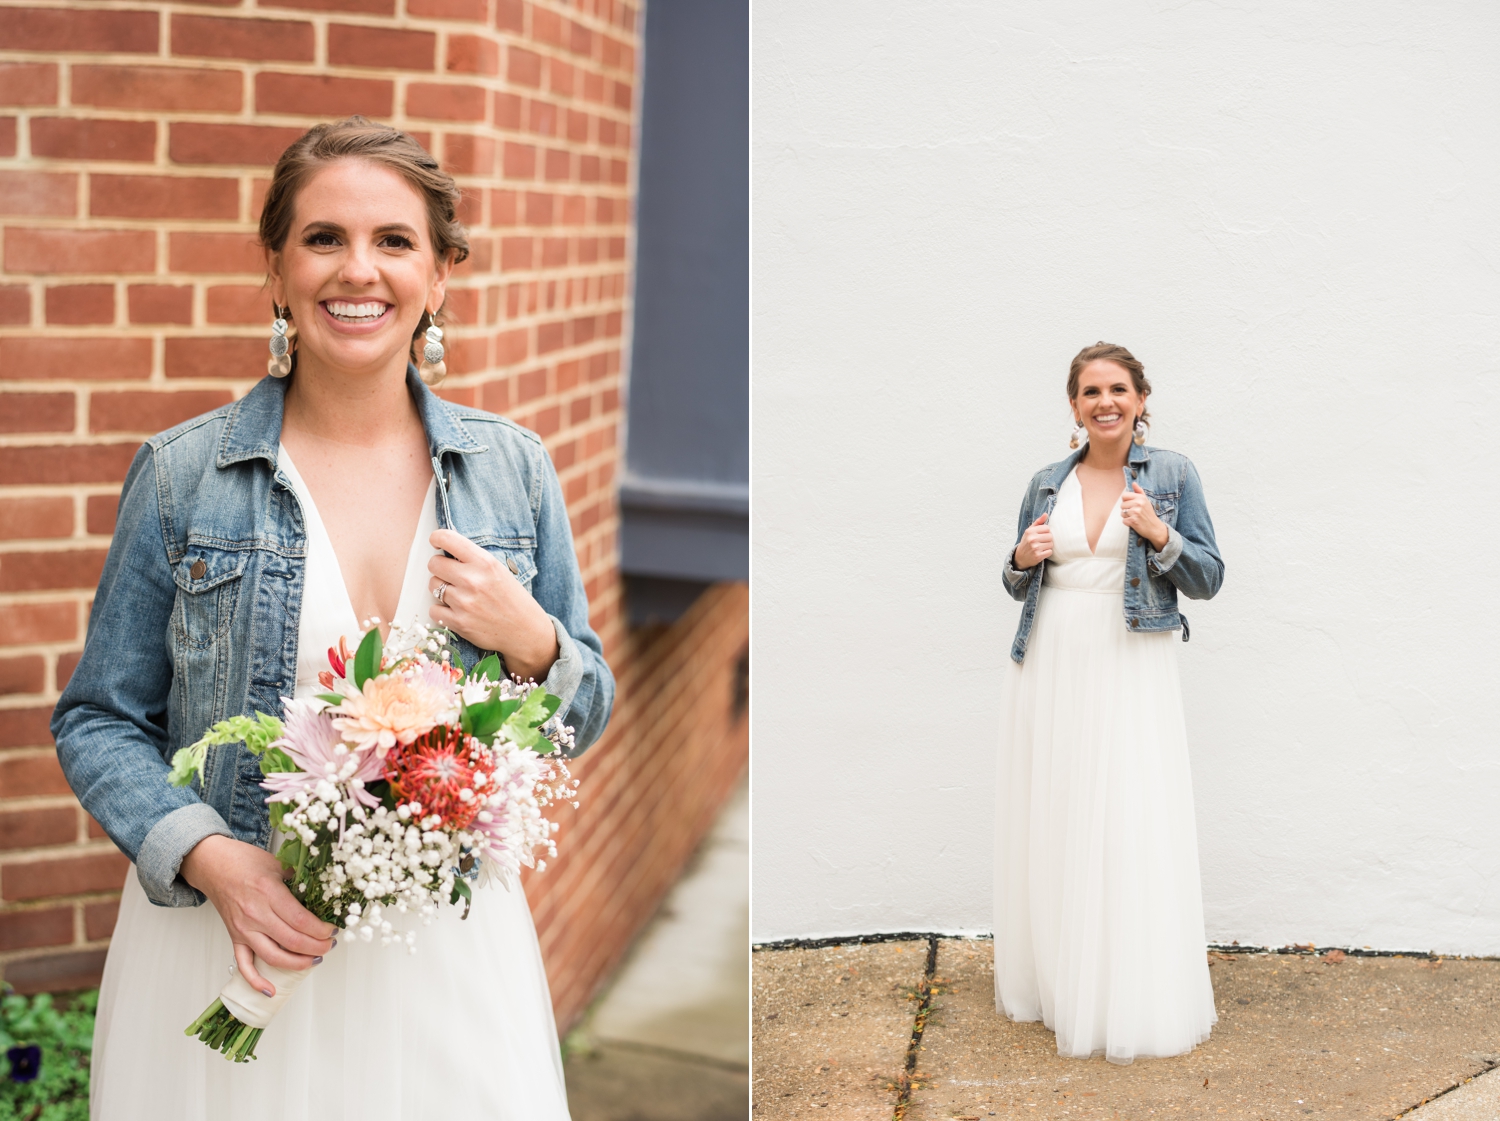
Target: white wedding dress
(1098, 905)
(461, 1029)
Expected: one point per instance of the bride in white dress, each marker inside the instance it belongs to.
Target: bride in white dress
(463, 1027)
(1098, 907)
(361, 238)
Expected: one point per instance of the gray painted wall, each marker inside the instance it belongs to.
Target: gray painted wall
(684, 496)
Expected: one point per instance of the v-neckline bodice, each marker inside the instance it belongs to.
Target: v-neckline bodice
(1083, 514)
(327, 609)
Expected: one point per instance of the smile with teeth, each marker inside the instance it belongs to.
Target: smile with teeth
(346, 312)
(1107, 418)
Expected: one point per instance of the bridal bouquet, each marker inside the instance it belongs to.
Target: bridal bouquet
(404, 783)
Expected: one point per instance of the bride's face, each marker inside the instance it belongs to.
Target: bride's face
(1107, 403)
(358, 267)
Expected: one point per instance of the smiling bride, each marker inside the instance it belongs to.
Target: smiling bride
(1098, 906)
(250, 541)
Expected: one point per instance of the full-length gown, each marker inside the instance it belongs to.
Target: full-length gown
(1098, 905)
(462, 1028)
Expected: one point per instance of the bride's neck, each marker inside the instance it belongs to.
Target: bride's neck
(368, 411)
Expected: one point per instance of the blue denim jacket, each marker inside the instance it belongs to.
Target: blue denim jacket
(1189, 563)
(196, 615)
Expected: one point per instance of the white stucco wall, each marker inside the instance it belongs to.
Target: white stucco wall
(1291, 213)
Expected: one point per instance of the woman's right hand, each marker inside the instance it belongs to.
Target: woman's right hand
(244, 884)
(1035, 545)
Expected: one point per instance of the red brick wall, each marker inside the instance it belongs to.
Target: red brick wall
(135, 145)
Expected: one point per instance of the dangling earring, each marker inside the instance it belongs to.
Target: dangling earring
(1140, 432)
(432, 368)
(1080, 434)
(283, 344)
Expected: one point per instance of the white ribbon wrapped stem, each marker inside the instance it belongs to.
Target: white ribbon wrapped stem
(255, 1008)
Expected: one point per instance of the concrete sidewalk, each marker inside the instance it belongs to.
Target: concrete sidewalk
(908, 1030)
(669, 1040)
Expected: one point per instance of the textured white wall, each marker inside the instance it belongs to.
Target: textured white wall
(1291, 213)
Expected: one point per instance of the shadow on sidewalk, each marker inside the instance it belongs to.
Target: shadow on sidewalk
(669, 1040)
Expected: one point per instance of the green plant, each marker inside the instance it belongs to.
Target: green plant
(65, 1034)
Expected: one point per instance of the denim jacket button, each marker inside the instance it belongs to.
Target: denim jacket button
(198, 569)
(510, 563)
(1135, 581)
(1135, 622)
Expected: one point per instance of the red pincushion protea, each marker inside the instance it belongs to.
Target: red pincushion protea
(436, 768)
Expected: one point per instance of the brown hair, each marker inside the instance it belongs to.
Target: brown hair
(362, 139)
(1110, 352)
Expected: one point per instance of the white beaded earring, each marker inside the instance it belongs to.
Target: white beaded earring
(1080, 434)
(1140, 432)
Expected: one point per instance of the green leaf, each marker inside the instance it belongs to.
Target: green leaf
(460, 891)
(291, 852)
(483, 719)
(277, 812)
(490, 668)
(276, 762)
(332, 698)
(534, 711)
(367, 658)
(187, 764)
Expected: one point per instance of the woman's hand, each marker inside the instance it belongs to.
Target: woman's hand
(1138, 513)
(263, 917)
(488, 606)
(1035, 545)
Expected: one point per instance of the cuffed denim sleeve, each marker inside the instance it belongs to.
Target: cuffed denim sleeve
(579, 675)
(1017, 580)
(1161, 562)
(566, 673)
(110, 723)
(162, 852)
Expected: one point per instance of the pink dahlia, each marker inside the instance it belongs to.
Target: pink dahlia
(392, 709)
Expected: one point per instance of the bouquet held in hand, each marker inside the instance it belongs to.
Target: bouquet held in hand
(408, 780)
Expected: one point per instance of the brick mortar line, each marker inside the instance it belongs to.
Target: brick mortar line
(563, 10)
(61, 901)
(60, 851)
(95, 845)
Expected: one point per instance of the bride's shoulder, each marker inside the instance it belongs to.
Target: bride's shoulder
(1167, 460)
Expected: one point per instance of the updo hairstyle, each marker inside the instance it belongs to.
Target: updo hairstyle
(1110, 352)
(362, 139)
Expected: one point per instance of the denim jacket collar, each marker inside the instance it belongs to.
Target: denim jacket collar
(253, 429)
(1138, 458)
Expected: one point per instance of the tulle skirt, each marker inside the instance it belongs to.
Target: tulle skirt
(461, 1028)
(1098, 905)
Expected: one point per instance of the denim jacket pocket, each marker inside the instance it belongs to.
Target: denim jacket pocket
(1165, 506)
(208, 588)
(518, 554)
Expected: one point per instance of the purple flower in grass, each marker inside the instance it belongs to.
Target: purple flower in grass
(25, 1062)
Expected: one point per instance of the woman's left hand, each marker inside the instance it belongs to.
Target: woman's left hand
(1138, 513)
(488, 606)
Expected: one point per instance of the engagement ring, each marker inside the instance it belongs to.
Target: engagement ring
(437, 594)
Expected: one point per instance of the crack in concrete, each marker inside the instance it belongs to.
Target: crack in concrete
(918, 1026)
(1460, 1084)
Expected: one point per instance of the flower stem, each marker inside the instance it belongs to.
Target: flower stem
(218, 1028)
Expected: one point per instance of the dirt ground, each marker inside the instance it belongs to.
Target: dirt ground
(1298, 1035)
